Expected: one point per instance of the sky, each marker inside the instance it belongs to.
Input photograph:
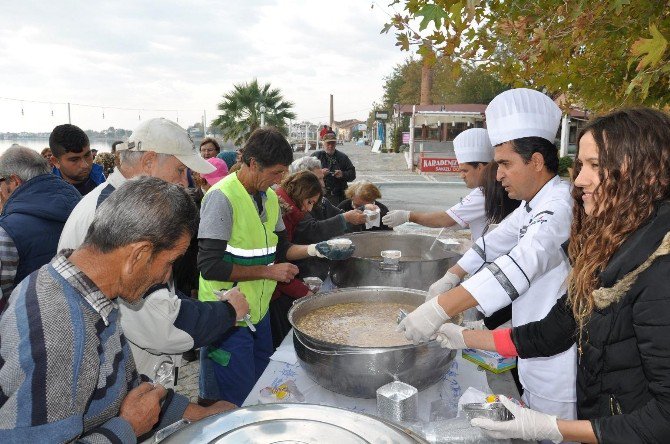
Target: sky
(176, 59)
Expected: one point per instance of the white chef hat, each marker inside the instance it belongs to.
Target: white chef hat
(521, 113)
(473, 145)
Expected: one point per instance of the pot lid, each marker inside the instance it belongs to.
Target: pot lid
(292, 424)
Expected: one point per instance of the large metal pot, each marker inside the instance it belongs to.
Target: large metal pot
(293, 423)
(360, 371)
(423, 261)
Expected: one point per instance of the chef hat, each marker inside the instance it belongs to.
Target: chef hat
(521, 113)
(473, 145)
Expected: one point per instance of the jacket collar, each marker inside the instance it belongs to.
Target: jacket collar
(634, 256)
(540, 194)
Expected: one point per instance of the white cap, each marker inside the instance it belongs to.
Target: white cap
(473, 145)
(521, 113)
(166, 137)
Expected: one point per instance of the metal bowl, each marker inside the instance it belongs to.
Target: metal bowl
(490, 410)
(360, 371)
(423, 261)
(293, 423)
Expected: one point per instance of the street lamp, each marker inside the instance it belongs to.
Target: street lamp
(262, 110)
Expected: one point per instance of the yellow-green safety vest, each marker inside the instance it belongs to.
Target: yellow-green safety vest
(252, 242)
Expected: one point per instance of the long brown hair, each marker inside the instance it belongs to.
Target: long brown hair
(301, 186)
(634, 169)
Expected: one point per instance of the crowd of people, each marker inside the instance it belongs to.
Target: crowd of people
(109, 273)
(122, 268)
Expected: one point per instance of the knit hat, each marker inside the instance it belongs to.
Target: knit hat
(220, 172)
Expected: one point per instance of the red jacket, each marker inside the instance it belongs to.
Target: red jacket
(292, 215)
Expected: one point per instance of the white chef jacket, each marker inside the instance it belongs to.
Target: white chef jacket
(470, 212)
(522, 261)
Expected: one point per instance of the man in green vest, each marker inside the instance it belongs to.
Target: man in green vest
(242, 242)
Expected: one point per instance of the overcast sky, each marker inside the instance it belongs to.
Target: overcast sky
(183, 55)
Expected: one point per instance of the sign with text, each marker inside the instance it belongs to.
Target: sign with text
(381, 115)
(438, 165)
(405, 138)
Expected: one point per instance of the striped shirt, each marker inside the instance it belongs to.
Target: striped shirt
(9, 261)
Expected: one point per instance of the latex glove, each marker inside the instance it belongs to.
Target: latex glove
(444, 284)
(312, 251)
(395, 218)
(527, 424)
(450, 336)
(421, 324)
(334, 255)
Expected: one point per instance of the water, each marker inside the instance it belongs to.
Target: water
(39, 144)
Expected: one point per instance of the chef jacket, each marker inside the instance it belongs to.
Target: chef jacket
(522, 261)
(470, 212)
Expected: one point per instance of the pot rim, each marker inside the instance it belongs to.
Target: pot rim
(353, 349)
(387, 234)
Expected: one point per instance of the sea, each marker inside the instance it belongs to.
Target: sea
(39, 144)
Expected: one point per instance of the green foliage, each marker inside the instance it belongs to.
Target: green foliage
(241, 115)
(395, 140)
(450, 85)
(563, 164)
(601, 55)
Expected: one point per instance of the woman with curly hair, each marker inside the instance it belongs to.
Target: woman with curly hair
(617, 307)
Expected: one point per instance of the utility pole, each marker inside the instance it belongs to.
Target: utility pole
(69, 119)
(262, 110)
(204, 123)
(332, 119)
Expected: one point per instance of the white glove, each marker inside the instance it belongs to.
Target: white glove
(421, 324)
(395, 218)
(444, 284)
(527, 424)
(312, 251)
(450, 336)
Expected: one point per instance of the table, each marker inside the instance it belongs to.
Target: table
(284, 366)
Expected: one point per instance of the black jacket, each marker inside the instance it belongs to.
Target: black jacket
(346, 205)
(338, 161)
(324, 222)
(623, 373)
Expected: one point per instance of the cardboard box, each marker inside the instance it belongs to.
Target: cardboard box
(489, 360)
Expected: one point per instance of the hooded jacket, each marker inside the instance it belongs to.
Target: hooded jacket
(34, 216)
(623, 372)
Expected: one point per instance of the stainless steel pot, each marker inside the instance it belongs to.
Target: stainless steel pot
(423, 261)
(360, 371)
(295, 423)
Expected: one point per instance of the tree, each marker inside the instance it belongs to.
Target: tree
(451, 84)
(241, 115)
(599, 54)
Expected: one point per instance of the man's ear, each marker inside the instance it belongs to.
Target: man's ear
(136, 255)
(537, 160)
(148, 161)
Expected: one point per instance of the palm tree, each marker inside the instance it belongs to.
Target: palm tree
(241, 115)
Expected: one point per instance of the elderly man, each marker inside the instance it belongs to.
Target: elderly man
(521, 261)
(73, 159)
(66, 369)
(336, 167)
(163, 324)
(35, 206)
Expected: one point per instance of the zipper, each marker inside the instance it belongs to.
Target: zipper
(615, 407)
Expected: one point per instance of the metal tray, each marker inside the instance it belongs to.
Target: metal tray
(294, 423)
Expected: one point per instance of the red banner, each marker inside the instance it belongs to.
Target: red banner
(438, 165)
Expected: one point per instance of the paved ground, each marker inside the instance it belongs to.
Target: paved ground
(401, 189)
